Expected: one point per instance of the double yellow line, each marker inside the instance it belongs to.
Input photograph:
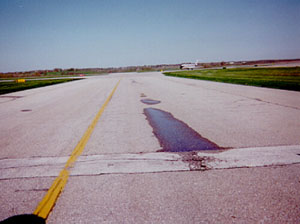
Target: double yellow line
(49, 200)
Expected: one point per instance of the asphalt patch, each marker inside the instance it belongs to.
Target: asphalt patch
(174, 135)
(22, 219)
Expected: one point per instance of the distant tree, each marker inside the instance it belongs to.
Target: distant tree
(57, 70)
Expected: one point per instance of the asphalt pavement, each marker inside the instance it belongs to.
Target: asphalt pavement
(122, 178)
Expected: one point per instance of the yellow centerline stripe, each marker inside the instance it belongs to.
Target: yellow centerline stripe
(49, 200)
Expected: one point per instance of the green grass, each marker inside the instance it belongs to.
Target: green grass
(72, 73)
(8, 87)
(279, 78)
(51, 74)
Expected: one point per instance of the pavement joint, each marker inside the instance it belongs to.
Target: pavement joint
(151, 162)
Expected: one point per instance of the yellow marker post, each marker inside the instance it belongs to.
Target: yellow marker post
(20, 80)
(46, 205)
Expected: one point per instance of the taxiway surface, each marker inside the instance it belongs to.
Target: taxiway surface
(41, 127)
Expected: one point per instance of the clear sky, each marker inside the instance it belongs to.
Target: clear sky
(47, 34)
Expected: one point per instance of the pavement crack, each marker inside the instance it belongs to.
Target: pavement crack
(29, 166)
(28, 190)
(257, 99)
(10, 98)
(240, 95)
(128, 173)
(124, 160)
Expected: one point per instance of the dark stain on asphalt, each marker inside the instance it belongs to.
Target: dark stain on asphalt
(27, 218)
(11, 97)
(26, 110)
(196, 162)
(174, 135)
(150, 101)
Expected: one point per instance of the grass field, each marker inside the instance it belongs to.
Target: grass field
(8, 87)
(49, 74)
(279, 78)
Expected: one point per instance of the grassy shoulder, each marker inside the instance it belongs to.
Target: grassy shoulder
(9, 87)
(279, 78)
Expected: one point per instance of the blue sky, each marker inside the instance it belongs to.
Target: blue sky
(47, 34)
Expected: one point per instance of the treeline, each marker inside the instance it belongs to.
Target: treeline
(145, 68)
(78, 71)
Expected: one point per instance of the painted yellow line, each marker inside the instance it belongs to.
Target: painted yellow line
(49, 200)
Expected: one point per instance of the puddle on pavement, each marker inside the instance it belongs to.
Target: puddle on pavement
(174, 135)
(150, 101)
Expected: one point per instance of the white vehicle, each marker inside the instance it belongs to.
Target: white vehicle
(189, 66)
